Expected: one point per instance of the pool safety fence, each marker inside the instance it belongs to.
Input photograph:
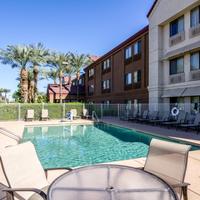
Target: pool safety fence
(13, 112)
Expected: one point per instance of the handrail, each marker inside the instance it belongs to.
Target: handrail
(94, 116)
(10, 134)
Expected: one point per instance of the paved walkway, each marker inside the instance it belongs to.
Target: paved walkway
(193, 170)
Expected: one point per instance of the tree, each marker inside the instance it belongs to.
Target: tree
(38, 57)
(6, 91)
(18, 57)
(59, 62)
(77, 62)
(52, 74)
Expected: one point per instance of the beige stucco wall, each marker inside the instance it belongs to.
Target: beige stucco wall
(163, 13)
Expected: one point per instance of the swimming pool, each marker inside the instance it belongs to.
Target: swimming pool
(79, 145)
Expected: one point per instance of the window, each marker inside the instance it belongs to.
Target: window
(195, 61)
(177, 66)
(106, 102)
(128, 52)
(177, 26)
(137, 76)
(91, 72)
(106, 64)
(177, 102)
(128, 104)
(73, 83)
(195, 17)
(106, 84)
(128, 79)
(137, 48)
(195, 104)
(91, 89)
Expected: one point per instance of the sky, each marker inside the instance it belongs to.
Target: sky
(84, 26)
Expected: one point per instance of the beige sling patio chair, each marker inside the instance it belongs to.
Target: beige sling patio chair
(75, 114)
(24, 173)
(168, 161)
(30, 115)
(44, 114)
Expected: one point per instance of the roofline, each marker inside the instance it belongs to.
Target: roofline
(152, 7)
(142, 31)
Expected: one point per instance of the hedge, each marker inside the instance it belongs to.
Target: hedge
(10, 112)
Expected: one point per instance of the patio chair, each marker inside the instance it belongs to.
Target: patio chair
(30, 115)
(86, 114)
(192, 125)
(168, 161)
(74, 114)
(24, 174)
(180, 120)
(44, 115)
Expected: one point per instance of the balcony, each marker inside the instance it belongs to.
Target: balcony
(128, 86)
(137, 57)
(194, 31)
(177, 78)
(128, 61)
(104, 71)
(195, 75)
(173, 40)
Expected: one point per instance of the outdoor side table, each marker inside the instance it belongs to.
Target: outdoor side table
(109, 182)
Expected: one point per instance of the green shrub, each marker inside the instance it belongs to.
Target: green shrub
(56, 111)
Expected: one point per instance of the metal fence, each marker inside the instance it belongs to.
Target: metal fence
(58, 111)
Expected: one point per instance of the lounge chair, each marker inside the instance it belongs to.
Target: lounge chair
(23, 172)
(30, 115)
(152, 116)
(192, 125)
(165, 117)
(168, 161)
(180, 120)
(144, 116)
(134, 116)
(74, 114)
(44, 114)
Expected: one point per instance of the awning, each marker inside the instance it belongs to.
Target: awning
(181, 50)
(193, 91)
(173, 92)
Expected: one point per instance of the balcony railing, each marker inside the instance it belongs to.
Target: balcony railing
(173, 40)
(194, 31)
(177, 78)
(195, 75)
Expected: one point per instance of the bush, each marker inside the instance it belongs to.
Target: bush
(56, 111)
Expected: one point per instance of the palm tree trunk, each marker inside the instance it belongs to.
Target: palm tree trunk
(35, 73)
(24, 85)
(60, 82)
(77, 85)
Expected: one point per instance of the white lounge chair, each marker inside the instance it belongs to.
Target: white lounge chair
(168, 161)
(45, 114)
(23, 171)
(30, 115)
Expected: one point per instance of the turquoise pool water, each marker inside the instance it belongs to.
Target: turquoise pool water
(79, 145)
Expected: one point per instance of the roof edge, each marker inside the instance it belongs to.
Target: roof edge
(152, 7)
(137, 34)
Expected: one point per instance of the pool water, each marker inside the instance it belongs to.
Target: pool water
(79, 145)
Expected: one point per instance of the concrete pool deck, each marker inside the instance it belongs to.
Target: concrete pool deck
(193, 170)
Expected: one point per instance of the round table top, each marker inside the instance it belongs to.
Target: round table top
(102, 182)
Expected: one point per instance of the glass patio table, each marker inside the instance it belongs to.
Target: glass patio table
(109, 182)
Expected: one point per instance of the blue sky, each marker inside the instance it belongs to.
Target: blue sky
(85, 26)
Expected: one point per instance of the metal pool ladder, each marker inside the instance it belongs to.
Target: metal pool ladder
(94, 116)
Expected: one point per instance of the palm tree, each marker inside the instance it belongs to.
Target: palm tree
(31, 86)
(6, 91)
(1, 92)
(59, 63)
(18, 57)
(52, 74)
(38, 56)
(77, 62)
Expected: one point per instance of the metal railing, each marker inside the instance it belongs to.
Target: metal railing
(9, 134)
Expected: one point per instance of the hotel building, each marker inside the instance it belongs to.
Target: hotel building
(174, 54)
